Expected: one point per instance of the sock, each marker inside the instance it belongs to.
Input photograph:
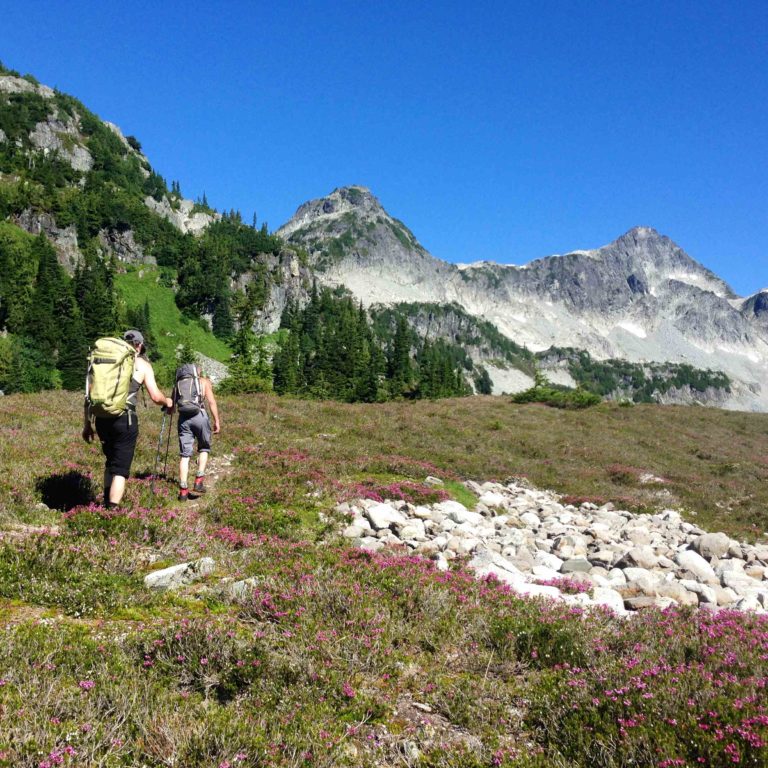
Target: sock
(110, 505)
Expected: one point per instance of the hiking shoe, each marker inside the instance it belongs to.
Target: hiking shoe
(183, 494)
(199, 487)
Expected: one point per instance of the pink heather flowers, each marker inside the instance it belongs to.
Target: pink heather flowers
(86, 685)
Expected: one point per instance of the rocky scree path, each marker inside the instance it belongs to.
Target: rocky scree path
(586, 555)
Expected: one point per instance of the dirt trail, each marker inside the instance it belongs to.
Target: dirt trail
(219, 467)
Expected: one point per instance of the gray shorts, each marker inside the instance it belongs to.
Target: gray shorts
(191, 428)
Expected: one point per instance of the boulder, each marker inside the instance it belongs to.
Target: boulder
(697, 565)
(179, 575)
(712, 545)
(382, 515)
(576, 565)
(608, 598)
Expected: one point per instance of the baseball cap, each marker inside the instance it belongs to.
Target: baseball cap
(133, 336)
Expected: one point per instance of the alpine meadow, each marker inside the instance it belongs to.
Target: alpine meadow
(457, 516)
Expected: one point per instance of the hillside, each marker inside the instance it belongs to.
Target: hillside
(640, 298)
(289, 647)
(81, 209)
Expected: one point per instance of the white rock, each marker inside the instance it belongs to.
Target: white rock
(493, 500)
(530, 519)
(179, 575)
(553, 562)
(383, 515)
(609, 598)
(353, 532)
(706, 593)
(711, 545)
(697, 565)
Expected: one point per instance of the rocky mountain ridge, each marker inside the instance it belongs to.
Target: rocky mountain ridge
(52, 127)
(639, 298)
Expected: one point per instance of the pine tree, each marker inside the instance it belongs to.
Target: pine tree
(51, 301)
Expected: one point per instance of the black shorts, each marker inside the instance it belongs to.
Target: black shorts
(118, 442)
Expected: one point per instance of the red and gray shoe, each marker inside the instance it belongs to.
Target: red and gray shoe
(199, 486)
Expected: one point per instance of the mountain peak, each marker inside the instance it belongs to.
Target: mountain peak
(353, 200)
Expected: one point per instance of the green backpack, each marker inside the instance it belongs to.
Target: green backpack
(110, 370)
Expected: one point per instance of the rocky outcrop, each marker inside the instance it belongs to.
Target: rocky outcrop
(62, 137)
(586, 555)
(12, 84)
(182, 214)
(640, 298)
(123, 246)
(64, 240)
(290, 280)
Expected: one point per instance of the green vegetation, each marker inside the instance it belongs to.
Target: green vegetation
(455, 325)
(169, 328)
(641, 383)
(330, 650)
(331, 351)
(557, 397)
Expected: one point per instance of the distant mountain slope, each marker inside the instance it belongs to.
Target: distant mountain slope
(640, 298)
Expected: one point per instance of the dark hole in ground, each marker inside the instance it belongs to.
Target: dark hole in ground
(65, 490)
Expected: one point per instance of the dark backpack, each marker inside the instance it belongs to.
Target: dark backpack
(188, 391)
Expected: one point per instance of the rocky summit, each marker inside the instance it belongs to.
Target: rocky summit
(586, 555)
(640, 298)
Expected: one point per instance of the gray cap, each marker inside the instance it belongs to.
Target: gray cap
(132, 337)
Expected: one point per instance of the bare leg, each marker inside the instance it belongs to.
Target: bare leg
(116, 489)
(202, 461)
(183, 471)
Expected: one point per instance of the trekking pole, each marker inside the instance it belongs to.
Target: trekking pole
(167, 447)
(159, 448)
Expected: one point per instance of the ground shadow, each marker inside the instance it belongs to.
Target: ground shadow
(65, 490)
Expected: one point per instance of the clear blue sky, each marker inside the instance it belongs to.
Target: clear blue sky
(494, 130)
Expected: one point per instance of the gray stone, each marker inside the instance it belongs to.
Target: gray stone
(381, 516)
(576, 565)
(179, 575)
(353, 532)
(705, 592)
(608, 598)
(696, 564)
(711, 545)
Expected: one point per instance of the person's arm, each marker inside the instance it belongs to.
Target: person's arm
(211, 400)
(152, 389)
(88, 431)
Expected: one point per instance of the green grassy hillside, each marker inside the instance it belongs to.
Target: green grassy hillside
(169, 326)
(338, 658)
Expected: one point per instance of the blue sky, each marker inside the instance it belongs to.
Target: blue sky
(495, 130)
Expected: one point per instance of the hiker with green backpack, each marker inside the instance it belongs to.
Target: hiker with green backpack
(192, 397)
(117, 370)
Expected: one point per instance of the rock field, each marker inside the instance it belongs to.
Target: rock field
(586, 555)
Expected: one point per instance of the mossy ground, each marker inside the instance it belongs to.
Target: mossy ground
(343, 658)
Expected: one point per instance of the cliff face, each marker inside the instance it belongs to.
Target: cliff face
(61, 145)
(640, 298)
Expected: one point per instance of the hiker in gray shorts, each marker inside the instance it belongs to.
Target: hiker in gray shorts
(193, 396)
